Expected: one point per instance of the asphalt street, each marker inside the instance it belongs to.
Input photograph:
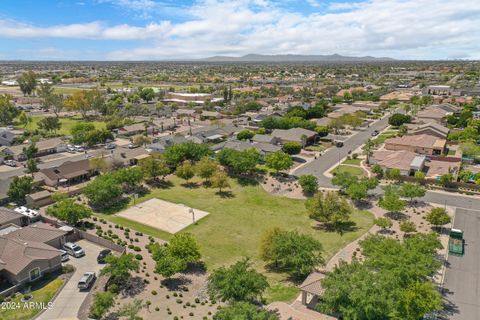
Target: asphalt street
(332, 156)
(462, 281)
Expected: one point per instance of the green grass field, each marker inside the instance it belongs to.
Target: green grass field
(67, 124)
(384, 136)
(356, 171)
(355, 162)
(43, 294)
(236, 224)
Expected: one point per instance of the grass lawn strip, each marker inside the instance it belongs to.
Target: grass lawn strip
(43, 294)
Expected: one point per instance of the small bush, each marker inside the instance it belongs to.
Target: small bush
(154, 292)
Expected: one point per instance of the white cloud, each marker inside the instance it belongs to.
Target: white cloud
(398, 28)
(143, 8)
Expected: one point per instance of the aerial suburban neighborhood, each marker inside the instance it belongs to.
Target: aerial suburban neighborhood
(183, 182)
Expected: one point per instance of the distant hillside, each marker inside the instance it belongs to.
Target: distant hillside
(294, 58)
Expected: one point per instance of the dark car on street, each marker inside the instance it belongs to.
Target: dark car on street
(102, 255)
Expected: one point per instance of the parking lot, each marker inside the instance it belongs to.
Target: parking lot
(69, 300)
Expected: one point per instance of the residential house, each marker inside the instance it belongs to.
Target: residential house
(262, 147)
(400, 96)
(299, 135)
(162, 143)
(265, 138)
(44, 147)
(401, 160)
(39, 232)
(422, 144)
(68, 173)
(39, 199)
(210, 115)
(437, 113)
(438, 90)
(432, 129)
(8, 217)
(7, 137)
(137, 128)
(27, 252)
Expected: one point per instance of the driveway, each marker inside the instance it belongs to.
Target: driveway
(69, 300)
(462, 277)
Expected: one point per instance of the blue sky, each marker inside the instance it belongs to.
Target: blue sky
(168, 29)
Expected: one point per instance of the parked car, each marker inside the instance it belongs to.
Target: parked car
(375, 133)
(65, 256)
(10, 163)
(102, 255)
(132, 146)
(74, 249)
(79, 148)
(339, 144)
(86, 280)
(110, 146)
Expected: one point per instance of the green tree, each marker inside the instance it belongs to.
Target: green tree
(19, 188)
(378, 170)
(119, 268)
(244, 311)
(27, 82)
(128, 178)
(49, 124)
(328, 208)
(419, 299)
(390, 201)
(24, 119)
(357, 191)
(175, 257)
(220, 180)
(147, 94)
(141, 140)
(130, 310)
(383, 223)
(102, 302)
(292, 148)
(398, 119)
(154, 166)
(239, 162)
(384, 284)
(206, 168)
(438, 217)
(408, 227)
(393, 173)
(185, 171)
(8, 112)
(309, 183)
(69, 211)
(103, 191)
(245, 135)
(30, 151)
(177, 153)
(297, 254)
(278, 161)
(446, 180)
(412, 190)
(80, 132)
(31, 166)
(343, 179)
(419, 176)
(239, 282)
